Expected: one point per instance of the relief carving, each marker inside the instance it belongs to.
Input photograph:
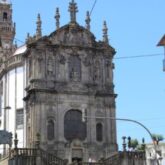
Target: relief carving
(96, 71)
(87, 61)
(74, 68)
(50, 66)
(61, 59)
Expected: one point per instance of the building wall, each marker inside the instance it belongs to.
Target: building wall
(75, 76)
(12, 96)
(67, 71)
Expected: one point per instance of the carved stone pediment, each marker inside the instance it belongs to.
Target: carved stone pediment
(76, 35)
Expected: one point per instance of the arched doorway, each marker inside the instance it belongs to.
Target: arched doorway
(74, 128)
(75, 133)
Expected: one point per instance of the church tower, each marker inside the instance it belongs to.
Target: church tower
(68, 73)
(7, 28)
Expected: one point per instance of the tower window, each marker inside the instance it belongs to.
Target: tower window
(50, 129)
(99, 132)
(4, 16)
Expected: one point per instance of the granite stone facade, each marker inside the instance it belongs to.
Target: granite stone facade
(66, 74)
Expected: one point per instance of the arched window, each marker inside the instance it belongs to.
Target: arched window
(74, 128)
(74, 68)
(50, 129)
(4, 16)
(99, 132)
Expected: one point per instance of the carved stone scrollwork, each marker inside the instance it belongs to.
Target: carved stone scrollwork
(87, 61)
(107, 62)
(51, 113)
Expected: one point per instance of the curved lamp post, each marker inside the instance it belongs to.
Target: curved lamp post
(124, 119)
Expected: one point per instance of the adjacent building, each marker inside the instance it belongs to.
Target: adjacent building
(150, 153)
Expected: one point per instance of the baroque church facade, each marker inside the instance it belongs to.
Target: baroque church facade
(52, 81)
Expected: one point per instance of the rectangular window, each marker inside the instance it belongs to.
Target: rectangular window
(19, 118)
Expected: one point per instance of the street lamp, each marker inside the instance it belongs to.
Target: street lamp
(124, 119)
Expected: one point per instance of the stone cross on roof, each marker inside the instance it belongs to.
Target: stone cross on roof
(73, 10)
(88, 20)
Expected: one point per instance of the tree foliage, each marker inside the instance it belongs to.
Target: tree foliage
(134, 143)
(157, 137)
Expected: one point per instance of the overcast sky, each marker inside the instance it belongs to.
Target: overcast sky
(135, 27)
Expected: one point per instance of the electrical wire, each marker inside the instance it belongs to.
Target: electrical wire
(93, 7)
(19, 40)
(138, 56)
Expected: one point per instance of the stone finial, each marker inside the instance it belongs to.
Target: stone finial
(14, 28)
(57, 17)
(16, 44)
(27, 38)
(73, 10)
(143, 144)
(129, 142)
(88, 20)
(105, 33)
(38, 30)
(124, 143)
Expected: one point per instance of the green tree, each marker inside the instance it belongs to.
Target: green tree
(157, 138)
(134, 143)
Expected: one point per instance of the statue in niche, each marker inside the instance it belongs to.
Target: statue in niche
(62, 59)
(74, 68)
(74, 75)
(86, 61)
(96, 71)
(50, 66)
(39, 61)
(107, 65)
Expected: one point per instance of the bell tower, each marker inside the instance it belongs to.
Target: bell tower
(7, 27)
